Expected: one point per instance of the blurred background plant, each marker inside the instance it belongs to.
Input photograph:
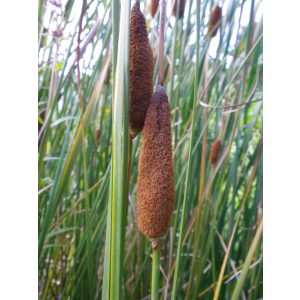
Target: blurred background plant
(216, 227)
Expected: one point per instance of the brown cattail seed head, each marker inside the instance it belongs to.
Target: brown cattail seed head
(141, 71)
(214, 21)
(153, 7)
(107, 76)
(215, 151)
(155, 186)
(181, 8)
(97, 135)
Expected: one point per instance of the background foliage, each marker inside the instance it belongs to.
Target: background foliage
(218, 231)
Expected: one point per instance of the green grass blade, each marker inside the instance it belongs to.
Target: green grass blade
(120, 138)
(241, 281)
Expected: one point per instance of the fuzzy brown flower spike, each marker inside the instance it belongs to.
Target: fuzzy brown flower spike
(153, 7)
(141, 71)
(155, 186)
(215, 151)
(214, 21)
(181, 8)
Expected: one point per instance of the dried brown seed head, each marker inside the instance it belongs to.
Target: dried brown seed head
(97, 135)
(215, 151)
(181, 8)
(153, 7)
(214, 21)
(155, 186)
(107, 76)
(141, 71)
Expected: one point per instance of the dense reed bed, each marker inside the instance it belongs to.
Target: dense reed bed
(90, 246)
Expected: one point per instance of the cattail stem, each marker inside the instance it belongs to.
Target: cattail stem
(155, 271)
(161, 43)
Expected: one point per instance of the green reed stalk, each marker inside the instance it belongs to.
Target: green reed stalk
(120, 142)
(188, 174)
(155, 273)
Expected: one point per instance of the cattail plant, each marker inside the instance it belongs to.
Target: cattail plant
(155, 186)
(141, 71)
(87, 189)
(214, 20)
(153, 7)
(155, 190)
(215, 151)
(181, 8)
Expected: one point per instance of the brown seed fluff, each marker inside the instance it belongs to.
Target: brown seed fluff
(141, 71)
(214, 21)
(215, 151)
(155, 185)
(153, 7)
(181, 8)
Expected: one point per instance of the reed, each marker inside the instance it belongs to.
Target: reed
(118, 192)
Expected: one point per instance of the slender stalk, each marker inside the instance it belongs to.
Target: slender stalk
(115, 7)
(188, 174)
(238, 289)
(116, 220)
(155, 244)
(173, 58)
(161, 43)
(155, 271)
(204, 138)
